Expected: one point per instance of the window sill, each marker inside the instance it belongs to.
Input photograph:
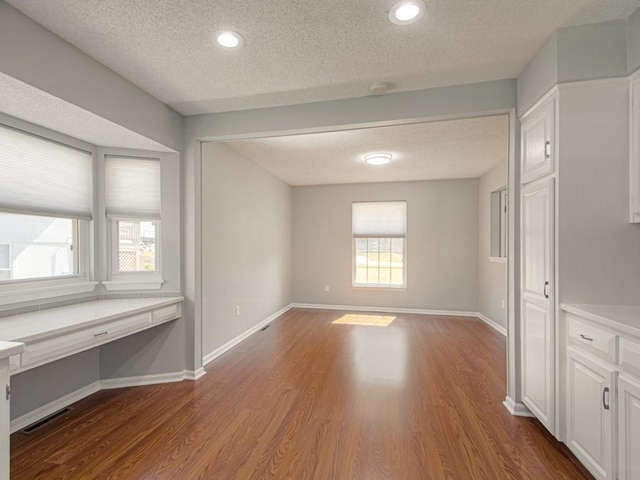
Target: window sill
(31, 291)
(380, 287)
(116, 285)
(498, 259)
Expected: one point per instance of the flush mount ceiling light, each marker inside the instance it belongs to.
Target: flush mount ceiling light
(229, 39)
(377, 158)
(407, 11)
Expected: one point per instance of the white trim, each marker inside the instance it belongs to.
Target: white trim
(52, 407)
(194, 375)
(30, 293)
(154, 379)
(493, 324)
(517, 409)
(418, 311)
(497, 259)
(360, 308)
(208, 358)
(117, 285)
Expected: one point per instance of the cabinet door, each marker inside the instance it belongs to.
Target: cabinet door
(537, 142)
(629, 429)
(634, 167)
(538, 303)
(590, 414)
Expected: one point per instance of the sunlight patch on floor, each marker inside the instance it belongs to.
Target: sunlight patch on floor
(370, 320)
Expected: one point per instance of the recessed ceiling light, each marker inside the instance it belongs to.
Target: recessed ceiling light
(407, 11)
(377, 158)
(229, 39)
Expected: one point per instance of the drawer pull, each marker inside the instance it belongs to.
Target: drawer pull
(101, 334)
(584, 337)
(605, 400)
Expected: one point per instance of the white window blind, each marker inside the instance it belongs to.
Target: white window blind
(379, 219)
(42, 177)
(132, 186)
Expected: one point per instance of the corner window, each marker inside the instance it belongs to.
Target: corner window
(132, 199)
(136, 246)
(45, 210)
(379, 232)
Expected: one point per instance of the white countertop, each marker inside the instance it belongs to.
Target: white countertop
(8, 349)
(622, 317)
(29, 327)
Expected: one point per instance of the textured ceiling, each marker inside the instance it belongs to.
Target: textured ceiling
(32, 105)
(465, 148)
(300, 51)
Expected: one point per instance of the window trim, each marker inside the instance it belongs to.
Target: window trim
(378, 286)
(131, 280)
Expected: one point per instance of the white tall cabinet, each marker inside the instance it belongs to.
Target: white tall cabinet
(537, 255)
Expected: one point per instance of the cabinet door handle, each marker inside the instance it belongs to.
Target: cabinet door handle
(584, 337)
(101, 334)
(547, 149)
(605, 398)
(545, 290)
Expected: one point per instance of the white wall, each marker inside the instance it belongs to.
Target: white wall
(246, 245)
(442, 244)
(492, 277)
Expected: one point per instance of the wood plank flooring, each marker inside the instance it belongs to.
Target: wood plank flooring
(309, 399)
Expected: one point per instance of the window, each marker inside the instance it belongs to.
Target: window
(45, 208)
(499, 224)
(133, 208)
(379, 244)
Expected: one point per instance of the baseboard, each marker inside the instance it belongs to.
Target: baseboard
(517, 409)
(142, 380)
(194, 374)
(208, 358)
(492, 323)
(52, 407)
(361, 308)
(419, 311)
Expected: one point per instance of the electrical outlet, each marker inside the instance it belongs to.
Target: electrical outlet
(326, 288)
(237, 310)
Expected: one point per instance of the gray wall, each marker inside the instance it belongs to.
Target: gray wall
(599, 248)
(592, 51)
(442, 244)
(492, 277)
(586, 52)
(539, 75)
(246, 244)
(37, 57)
(633, 41)
(37, 387)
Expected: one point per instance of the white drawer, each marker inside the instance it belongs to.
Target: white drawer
(166, 313)
(69, 343)
(592, 338)
(630, 357)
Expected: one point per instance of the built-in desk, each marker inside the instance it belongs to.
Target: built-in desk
(34, 339)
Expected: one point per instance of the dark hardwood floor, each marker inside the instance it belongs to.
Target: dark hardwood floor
(309, 399)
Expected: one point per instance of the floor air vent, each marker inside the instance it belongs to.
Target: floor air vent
(41, 423)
